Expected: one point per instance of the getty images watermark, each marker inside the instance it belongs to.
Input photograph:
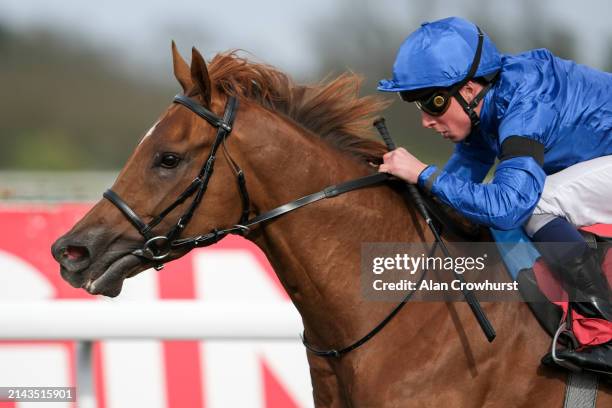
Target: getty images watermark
(391, 270)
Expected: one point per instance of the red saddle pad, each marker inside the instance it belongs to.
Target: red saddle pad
(588, 331)
(602, 230)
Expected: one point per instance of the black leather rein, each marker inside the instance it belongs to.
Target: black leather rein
(158, 247)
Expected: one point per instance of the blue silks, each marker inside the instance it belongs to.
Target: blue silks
(565, 106)
(516, 250)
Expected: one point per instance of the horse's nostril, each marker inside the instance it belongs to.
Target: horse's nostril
(75, 253)
(74, 258)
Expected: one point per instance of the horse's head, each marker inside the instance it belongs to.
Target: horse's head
(285, 136)
(153, 200)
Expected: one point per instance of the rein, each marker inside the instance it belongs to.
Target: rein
(244, 228)
(157, 248)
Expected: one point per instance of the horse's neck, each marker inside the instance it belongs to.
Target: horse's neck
(316, 250)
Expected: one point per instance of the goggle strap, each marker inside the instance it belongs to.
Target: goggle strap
(476, 60)
(469, 107)
(473, 68)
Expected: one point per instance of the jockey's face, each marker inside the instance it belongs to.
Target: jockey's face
(454, 124)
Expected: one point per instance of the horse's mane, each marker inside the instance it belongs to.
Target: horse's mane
(331, 109)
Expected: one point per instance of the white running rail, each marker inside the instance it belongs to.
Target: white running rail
(86, 321)
(164, 320)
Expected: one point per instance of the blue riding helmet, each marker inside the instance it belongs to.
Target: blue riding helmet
(444, 54)
(440, 54)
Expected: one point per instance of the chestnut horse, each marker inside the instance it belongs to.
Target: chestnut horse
(290, 141)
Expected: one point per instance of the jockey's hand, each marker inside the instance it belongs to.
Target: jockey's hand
(402, 164)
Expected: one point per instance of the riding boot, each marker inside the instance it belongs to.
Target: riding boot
(590, 295)
(587, 286)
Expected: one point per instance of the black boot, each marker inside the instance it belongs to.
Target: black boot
(597, 359)
(587, 286)
(590, 295)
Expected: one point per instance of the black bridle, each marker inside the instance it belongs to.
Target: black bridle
(157, 248)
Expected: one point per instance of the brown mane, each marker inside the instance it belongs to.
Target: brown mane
(331, 109)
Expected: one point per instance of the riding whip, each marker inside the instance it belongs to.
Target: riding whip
(470, 298)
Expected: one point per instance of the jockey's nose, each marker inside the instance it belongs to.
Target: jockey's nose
(72, 256)
(427, 121)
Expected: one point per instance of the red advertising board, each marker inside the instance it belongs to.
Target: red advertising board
(149, 373)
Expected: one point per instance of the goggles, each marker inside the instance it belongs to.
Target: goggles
(434, 104)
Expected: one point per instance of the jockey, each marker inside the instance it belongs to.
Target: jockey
(547, 120)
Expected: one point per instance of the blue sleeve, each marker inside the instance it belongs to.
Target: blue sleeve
(530, 117)
(470, 162)
(504, 203)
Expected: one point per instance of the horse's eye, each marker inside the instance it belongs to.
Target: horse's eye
(169, 160)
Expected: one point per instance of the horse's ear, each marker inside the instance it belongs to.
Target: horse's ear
(199, 75)
(181, 69)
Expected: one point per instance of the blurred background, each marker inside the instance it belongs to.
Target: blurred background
(82, 81)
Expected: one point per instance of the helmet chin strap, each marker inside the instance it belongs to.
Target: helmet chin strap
(470, 108)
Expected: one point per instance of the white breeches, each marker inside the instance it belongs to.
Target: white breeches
(582, 194)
